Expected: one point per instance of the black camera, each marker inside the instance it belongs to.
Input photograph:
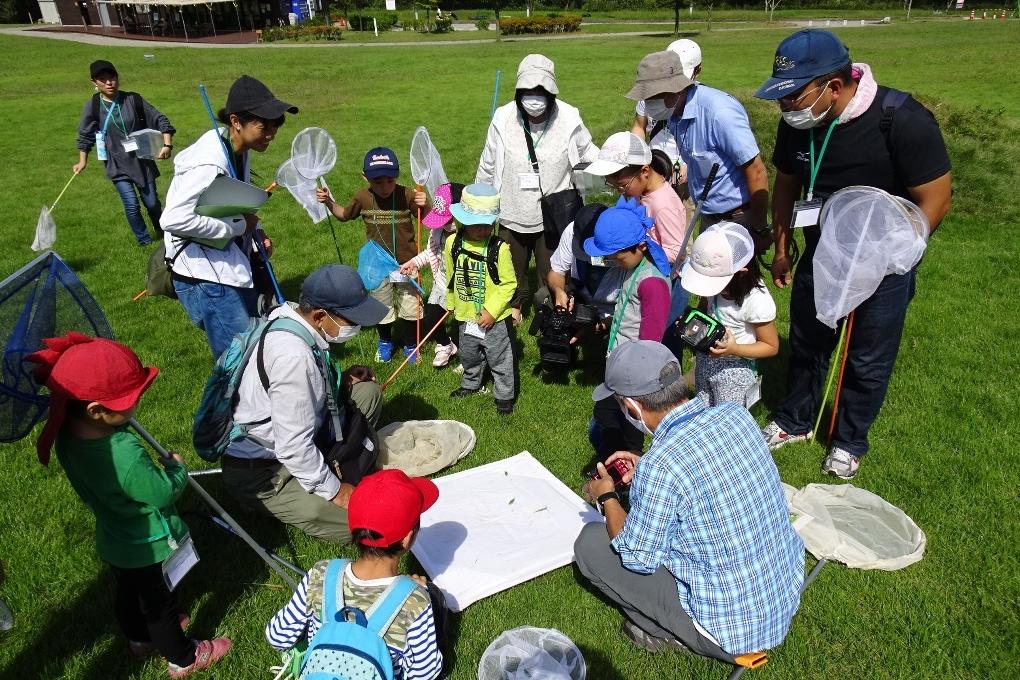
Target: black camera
(555, 326)
(699, 331)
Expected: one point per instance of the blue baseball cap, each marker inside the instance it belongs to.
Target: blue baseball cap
(624, 226)
(801, 58)
(381, 162)
(339, 290)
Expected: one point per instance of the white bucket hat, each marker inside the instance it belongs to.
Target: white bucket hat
(720, 252)
(537, 70)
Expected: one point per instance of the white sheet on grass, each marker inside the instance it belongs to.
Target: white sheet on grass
(498, 525)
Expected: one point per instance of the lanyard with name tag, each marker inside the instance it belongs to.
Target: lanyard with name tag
(130, 145)
(180, 561)
(528, 180)
(806, 213)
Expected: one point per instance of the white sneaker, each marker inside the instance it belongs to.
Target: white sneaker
(443, 354)
(776, 437)
(841, 463)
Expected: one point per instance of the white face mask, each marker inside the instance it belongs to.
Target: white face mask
(344, 333)
(638, 422)
(804, 119)
(534, 104)
(657, 109)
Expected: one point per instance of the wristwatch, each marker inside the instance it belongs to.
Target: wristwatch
(600, 501)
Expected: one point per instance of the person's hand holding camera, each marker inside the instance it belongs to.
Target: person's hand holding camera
(604, 483)
(725, 346)
(630, 459)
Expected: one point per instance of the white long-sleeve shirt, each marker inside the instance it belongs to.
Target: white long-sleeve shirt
(194, 170)
(295, 405)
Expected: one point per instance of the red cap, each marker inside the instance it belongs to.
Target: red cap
(390, 503)
(82, 368)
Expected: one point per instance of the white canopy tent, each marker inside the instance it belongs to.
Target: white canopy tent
(174, 5)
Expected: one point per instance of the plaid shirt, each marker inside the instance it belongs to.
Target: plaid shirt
(707, 504)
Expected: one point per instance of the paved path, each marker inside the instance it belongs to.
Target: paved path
(112, 41)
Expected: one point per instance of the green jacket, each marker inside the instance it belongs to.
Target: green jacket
(467, 297)
(131, 497)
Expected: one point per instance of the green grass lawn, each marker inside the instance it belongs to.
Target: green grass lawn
(944, 448)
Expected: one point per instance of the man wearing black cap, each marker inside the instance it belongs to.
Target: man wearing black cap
(106, 122)
(706, 559)
(295, 412)
(210, 258)
(839, 128)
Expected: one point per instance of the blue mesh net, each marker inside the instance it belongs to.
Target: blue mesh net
(43, 299)
(375, 264)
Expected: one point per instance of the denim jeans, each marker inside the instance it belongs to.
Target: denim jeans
(129, 193)
(874, 343)
(221, 311)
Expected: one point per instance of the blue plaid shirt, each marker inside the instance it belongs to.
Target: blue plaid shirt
(707, 504)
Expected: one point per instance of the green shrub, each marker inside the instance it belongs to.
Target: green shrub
(363, 22)
(482, 24)
(442, 25)
(567, 23)
(302, 32)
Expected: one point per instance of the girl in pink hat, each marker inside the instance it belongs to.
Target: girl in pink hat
(95, 385)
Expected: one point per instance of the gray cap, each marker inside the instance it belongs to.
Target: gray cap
(637, 368)
(659, 72)
(339, 290)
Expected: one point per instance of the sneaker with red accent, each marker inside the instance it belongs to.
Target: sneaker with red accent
(207, 652)
(776, 437)
(841, 463)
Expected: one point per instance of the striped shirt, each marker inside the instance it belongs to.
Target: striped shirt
(707, 504)
(411, 637)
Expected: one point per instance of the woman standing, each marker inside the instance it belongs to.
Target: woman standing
(210, 258)
(559, 139)
(107, 120)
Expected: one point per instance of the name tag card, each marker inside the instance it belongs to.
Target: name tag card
(130, 145)
(528, 180)
(180, 562)
(474, 330)
(806, 213)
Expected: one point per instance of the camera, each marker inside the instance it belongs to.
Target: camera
(555, 326)
(699, 331)
(617, 469)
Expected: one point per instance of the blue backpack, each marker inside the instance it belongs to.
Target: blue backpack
(214, 427)
(350, 644)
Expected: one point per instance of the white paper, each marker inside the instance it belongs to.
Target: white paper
(397, 277)
(130, 145)
(753, 394)
(528, 180)
(474, 330)
(498, 525)
(179, 563)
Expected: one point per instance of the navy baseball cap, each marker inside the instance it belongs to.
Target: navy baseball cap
(339, 290)
(381, 162)
(801, 58)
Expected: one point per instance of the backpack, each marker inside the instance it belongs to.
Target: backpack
(491, 258)
(350, 644)
(136, 104)
(214, 426)
(892, 100)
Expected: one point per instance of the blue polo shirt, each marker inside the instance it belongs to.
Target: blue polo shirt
(714, 129)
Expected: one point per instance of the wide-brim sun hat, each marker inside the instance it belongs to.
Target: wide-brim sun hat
(479, 204)
(537, 70)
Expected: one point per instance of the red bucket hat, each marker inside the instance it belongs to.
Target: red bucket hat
(390, 503)
(82, 368)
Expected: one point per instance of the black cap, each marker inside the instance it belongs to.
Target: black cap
(250, 95)
(101, 66)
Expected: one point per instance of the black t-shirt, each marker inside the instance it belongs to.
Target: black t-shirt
(858, 154)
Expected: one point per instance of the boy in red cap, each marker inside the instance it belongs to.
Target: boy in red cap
(384, 514)
(95, 385)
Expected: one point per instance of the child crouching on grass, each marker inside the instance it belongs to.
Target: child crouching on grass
(482, 284)
(723, 271)
(95, 385)
(384, 514)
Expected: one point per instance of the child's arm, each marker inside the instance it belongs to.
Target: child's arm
(418, 201)
(766, 345)
(343, 213)
(288, 625)
(146, 483)
(451, 299)
(653, 293)
(498, 296)
(422, 659)
(431, 255)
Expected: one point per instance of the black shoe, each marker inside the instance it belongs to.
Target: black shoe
(465, 392)
(504, 407)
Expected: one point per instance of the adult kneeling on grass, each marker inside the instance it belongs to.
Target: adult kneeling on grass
(285, 396)
(706, 560)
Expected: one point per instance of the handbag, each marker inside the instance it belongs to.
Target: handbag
(558, 209)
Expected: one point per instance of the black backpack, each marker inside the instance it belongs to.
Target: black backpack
(490, 259)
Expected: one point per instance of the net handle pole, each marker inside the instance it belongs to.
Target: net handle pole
(417, 238)
(839, 382)
(495, 93)
(332, 229)
(61, 194)
(241, 533)
(428, 335)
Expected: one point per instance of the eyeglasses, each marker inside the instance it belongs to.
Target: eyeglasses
(621, 187)
(792, 101)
